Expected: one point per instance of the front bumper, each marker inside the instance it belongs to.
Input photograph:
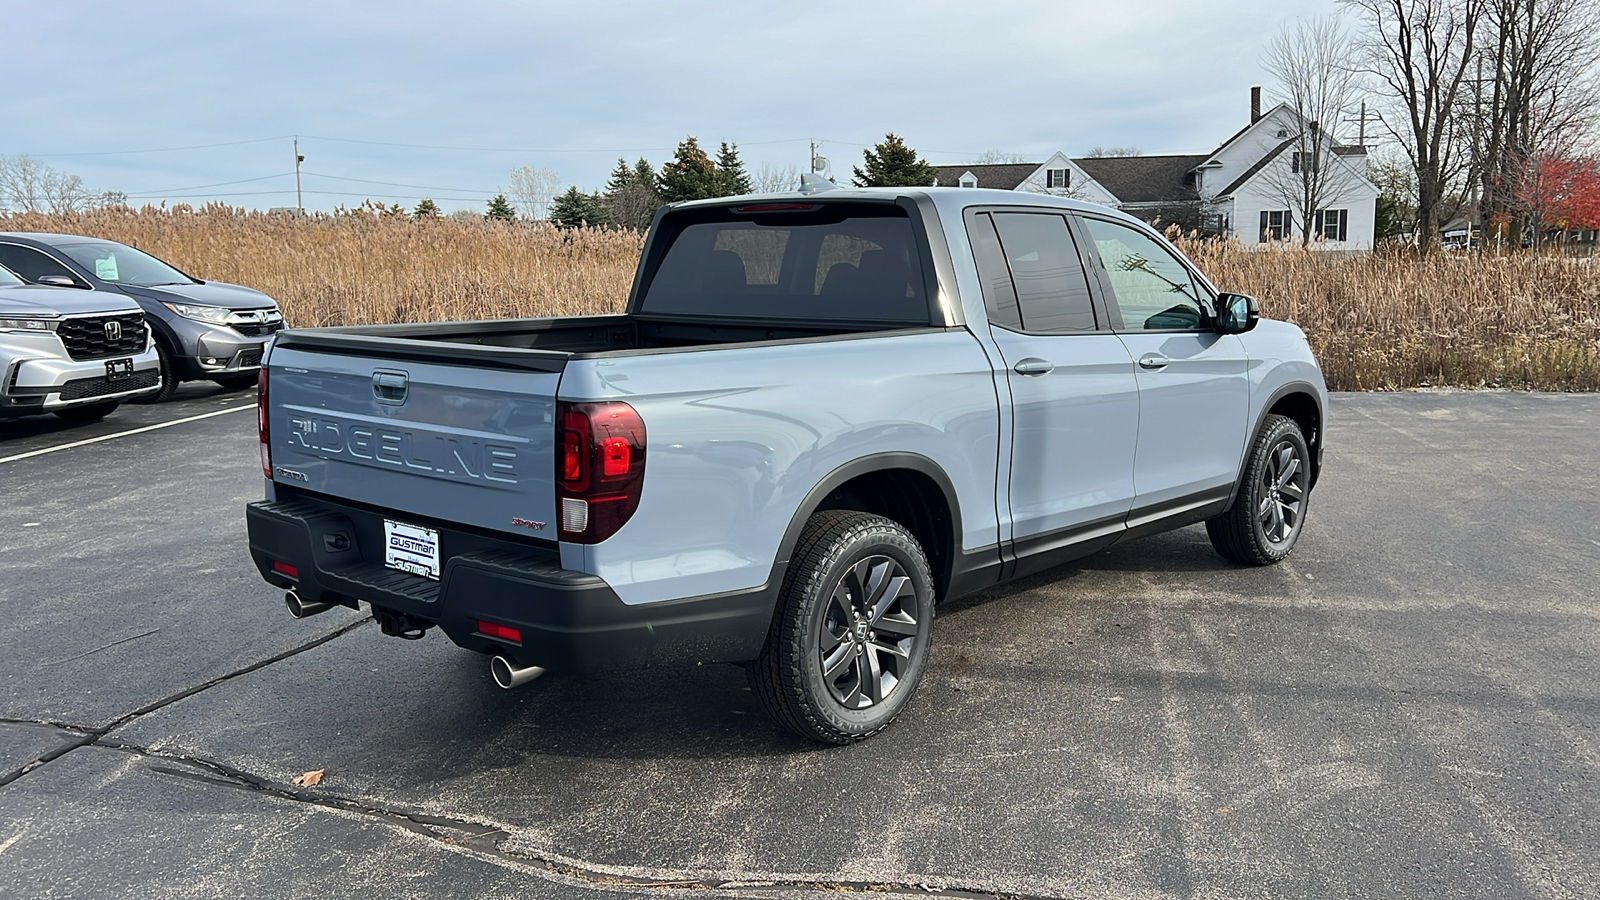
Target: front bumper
(569, 621)
(30, 385)
(222, 351)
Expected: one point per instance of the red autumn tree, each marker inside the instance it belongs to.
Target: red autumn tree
(1561, 193)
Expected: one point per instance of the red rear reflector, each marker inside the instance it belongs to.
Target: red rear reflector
(283, 568)
(777, 207)
(617, 455)
(503, 632)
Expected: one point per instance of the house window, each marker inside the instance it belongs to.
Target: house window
(969, 180)
(1058, 178)
(1276, 224)
(1303, 161)
(1332, 223)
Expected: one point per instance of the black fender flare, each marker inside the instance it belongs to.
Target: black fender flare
(877, 462)
(1315, 441)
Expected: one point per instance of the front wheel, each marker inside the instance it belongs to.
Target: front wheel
(1269, 511)
(169, 378)
(849, 640)
(236, 382)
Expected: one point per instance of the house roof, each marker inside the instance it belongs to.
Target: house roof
(1260, 164)
(1144, 179)
(1003, 176)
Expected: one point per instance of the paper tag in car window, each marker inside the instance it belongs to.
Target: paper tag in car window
(106, 269)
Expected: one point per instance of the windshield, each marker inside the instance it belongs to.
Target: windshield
(123, 265)
(9, 280)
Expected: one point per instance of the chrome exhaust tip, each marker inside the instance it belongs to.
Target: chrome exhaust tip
(508, 674)
(301, 609)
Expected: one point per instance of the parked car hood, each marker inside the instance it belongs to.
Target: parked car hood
(21, 302)
(211, 293)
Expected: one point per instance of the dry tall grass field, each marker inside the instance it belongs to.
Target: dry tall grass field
(1378, 322)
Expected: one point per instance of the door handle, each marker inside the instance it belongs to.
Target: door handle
(390, 387)
(1033, 365)
(1153, 361)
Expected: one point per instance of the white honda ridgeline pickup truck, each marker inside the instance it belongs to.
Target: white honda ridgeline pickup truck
(822, 413)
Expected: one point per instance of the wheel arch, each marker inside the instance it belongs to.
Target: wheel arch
(907, 487)
(1299, 401)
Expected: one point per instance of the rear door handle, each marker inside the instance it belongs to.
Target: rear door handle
(1153, 361)
(1033, 365)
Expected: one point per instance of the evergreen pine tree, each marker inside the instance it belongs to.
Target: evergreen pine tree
(622, 176)
(689, 175)
(500, 209)
(426, 209)
(731, 177)
(893, 164)
(575, 209)
(646, 175)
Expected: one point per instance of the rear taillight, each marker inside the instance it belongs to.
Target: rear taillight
(599, 470)
(261, 423)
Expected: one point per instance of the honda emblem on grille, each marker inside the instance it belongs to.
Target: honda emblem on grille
(113, 330)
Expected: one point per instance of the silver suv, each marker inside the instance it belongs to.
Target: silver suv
(76, 354)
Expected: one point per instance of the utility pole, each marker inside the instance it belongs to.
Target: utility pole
(818, 163)
(1362, 141)
(299, 202)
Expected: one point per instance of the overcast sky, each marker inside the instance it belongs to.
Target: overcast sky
(571, 87)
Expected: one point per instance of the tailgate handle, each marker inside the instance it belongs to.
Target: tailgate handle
(390, 387)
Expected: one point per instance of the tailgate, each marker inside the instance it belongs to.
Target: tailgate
(461, 444)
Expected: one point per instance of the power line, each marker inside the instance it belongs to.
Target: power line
(196, 187)
(280, 137)
(423, 187)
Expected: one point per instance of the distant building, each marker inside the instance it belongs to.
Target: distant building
(1250, 188)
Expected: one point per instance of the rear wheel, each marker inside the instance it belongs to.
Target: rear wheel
(1269, 511)
(236, 382)
(89, 413)
(849, 641)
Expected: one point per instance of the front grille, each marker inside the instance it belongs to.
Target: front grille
(257, 329)
(84, 388)
(249, 358)
(85, 338)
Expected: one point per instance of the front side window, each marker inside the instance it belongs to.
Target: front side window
(1153, 290)
(121, 264)
(1276, 224)
(31, 264)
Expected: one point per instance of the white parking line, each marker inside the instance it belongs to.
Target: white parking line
(107, 437)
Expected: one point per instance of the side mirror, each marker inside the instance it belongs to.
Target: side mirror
(60, 281)
(1236, 314)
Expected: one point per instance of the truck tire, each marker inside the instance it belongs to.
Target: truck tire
(236, 382)
(849, 640)
(93, 412)
(1269, 509)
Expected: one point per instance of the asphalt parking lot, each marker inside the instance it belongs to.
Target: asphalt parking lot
(1409, 707)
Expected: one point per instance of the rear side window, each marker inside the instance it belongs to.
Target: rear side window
(1052, 287)
(838, 261)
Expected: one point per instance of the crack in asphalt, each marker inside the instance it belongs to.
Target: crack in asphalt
(483, 840)
(85, 736)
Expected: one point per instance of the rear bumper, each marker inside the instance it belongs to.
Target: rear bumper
(569, 621)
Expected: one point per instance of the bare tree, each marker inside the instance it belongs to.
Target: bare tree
(534, 190)
(1107, 152)
(1312, 61)
(998, 157)
(770, 179)
(1535, 96)
(1421, 51)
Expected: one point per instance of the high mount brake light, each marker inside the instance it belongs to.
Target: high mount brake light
(778, 207)
(262, 429)
(600, 469)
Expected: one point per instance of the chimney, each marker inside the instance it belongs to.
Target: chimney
(1255, 105)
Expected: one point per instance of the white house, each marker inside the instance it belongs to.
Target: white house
(1259, 186)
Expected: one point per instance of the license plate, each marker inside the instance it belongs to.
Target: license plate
(411, 548)
(119, 368)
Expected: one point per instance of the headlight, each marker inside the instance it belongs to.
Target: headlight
(215, 315)
(27, 325)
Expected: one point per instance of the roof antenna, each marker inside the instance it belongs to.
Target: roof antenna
(815, 184)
